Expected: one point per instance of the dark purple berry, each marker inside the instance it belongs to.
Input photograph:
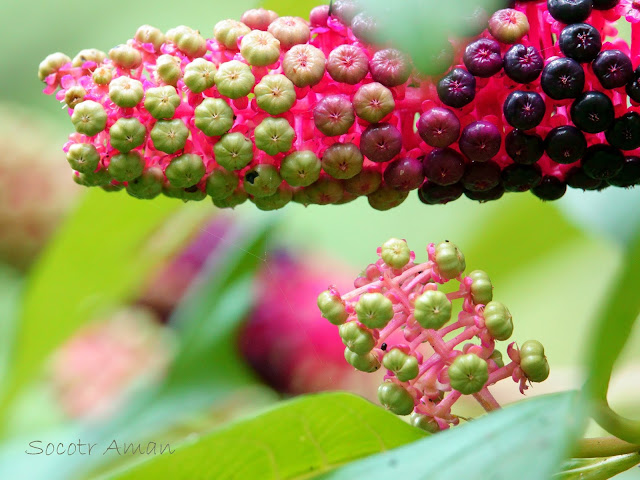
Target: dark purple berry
(480, 141)
(576, 178)
(524, 148)
(404, 174)
(604, 4)
(629, 175)
(633, 87)
(457, 88)
(580, 41)
(433, 194)
(520, 178)
(439, 127)
(613, 68)
(481, 176)
(380, 142)
(565, 144)
(443, 166)
(524, 110)
(624, 132)
(550, 188)
(562, 78)
(569, 11)
(482, 57)
(592, 112)
(602, 161)
(486, 196)
(523, 64)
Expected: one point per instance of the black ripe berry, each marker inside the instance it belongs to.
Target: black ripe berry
(457, 88)
(482, 57)
(576, 178)
(480, 141)
(433, 194)
(624, 132)
(613, 68)
(602, 161)
(570, 11)
(562, 78)
(565, 144)
(443, 166)
(580, 41)
(629, 175)
(592, 112)
(481, 176)
(604, 4)
(550, 188)
(487, 195)
(524, 148)
(524, 110)
(520, 178)
(523, 64)
(633, 87)
(383, 347)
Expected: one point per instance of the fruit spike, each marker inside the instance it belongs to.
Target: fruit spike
(277, 109)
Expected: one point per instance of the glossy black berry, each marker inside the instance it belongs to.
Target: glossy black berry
(562, 78)
(604, 4)
(613, 68)
(523, 64)
(569, 11)
(550, 188)
(486, 196)
(443, 166)
(629, 175)
(592, 112)
(520, 178)
(524, 110)
(404, 174)
(624, 132)
(480, 141)
(524, 148)
(576, 178)
(565, 144)
(481, 176)
(380, 142)
(457, 88)
(602, 161)
(580, 41)
(633, 87)
(483, 58)
(433, 194)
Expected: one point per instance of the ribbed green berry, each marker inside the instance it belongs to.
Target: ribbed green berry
(386, 198)
(404, 366)
(127, 134)
(126, 92)
(432, 309)
(89, 118)
(365, 363)
(74, 95)
(190, 194)
(496, 356)
(234, 79)
(278, 200)
(533, 361)
(188, 40)
(126, 166)
(395, 253)
(374, 310)
(357, 338)
(275, 94)
(168, 69)
(111, 188)
(125, 56)
(83, 157)
(262, 180)
(169, 136)
(148, 185)
(342, 160)
(102, 75)
(199, 75)
(227, 32)
(238, 197)
(290, 31)
(88, 55)
(233, 151)
(498, 321)
(221, 183)
(161, 102)
(481, 287)
(51, 64)
(373, 101)
(468, 374)
(424, 422)
(332, 308)
(185, 171)
(364, 183)
(324, 191)
(304, 65)
(260, 48)
(449, 260)
(274, 135)
(214, 117)
(98, 178)
(149, 34)
(395, 398)
(300, 168)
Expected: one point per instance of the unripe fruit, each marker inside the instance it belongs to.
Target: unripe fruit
(365, 363)
(238, 197)
(278, 200)
(127, 134)
(234, 79)
(395, 398)
(373, 101)
(260, 48)
(169, 136)
(498, 320)
(275, 94)
(358, 339)
(449, 260)
(262, 181)
(102, 75)
(88, 55)
(233, 151)
(189, 41)
(301, 168)
(332, 307)
(432, 309)
(404, 366)
(342, 160)
(304, 65)
(496, 356)
(83, 157)
(125, 56)
(468, 374)
(334, 115)
(89, 118)
(221, 183)
(481, 287)
(161, 102)
(290, 31)
(126, 92)
(148, 185)
(348, 64)
(508, 25)
(274, 135)
(185, 171)
(199, 75)
(324, 191)
(533, 361)
(390, 67)
(52, 64)
(168, 69)
(424, 422)
(74, 96)
(152, 35)
(374, 310)
(214, 117)
(395, 253)
(227, 33)
(126, 166)
(258, 18)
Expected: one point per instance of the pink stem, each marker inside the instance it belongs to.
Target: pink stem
(418, 279)
(411, 271)
(447, 402)
(488, 402)
(391, 327)
(468, 334)
(501, 373)
(361, 290)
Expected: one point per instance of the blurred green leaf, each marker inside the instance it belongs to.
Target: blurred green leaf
(299, 8)
(11, 284)
(295, 440)
(601, 469)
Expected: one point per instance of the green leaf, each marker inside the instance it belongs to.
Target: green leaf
(295, 440)
(526, 441)
(602, 469)
(11, 285)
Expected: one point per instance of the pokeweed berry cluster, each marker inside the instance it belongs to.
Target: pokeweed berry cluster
(275, 109)
(396, 294)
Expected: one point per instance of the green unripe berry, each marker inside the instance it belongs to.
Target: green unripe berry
(169, 136)
(498, 321)
(496, 356)
(74, 95)
(367, 363)
(304, 65)
(395, 253)
(468, 374)
(185, 194)
(300, 168)
(102, 75)
(262, 180)
(214, 117)
(395, 398)
(152, 35)
(227, 32)
(374, 310)
(386, 198)
(168, 69)
(278, 200)
(111, 188)
(188, 41)
(126, 166)
(274, 135)
(358, 339)
(51, 64)
(89, 118)
(185, 171)
(234, 79)
(233, 151)
(533, 362)
(449, 260)
(125, 56)
(424, 422)
(99, 178)
(238, 197)
(404, 366)
(221, 183)
(332, 308)
(258, 18)
(161, 102)
(342, 160)
(127, 134)
(432, 309)
(373, 101)
(290, 31)
(275, 94)
(126, 92)
(324, 191)
(83, 157)
(199, 75)
(481, 287)
(260, 48)
(88, 55)
(148, 185)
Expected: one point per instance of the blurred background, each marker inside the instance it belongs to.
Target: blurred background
(89, 279)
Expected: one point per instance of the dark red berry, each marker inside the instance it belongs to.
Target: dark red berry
(592, 112)
(482, 57)
(569, 11)
(565, 144)
(486, 196)
(604, 4)
(624, 132)
(439, 127)
(550, 188)
(380, 142)
(457, 88)
(580, 41)
(524, 110)
(443, 166)
(633, 87)
(613, 68)
(629, 175)
(480, 141)
(481, 176)
(602, 161)
(390, 67)
(520, 178)
(523, 64)
(524, 148)
(404, 174)
(562, 78)
(576, 178)
(433, 194)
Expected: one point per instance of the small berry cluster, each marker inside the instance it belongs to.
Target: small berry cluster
(275, 109)
(396, 294)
